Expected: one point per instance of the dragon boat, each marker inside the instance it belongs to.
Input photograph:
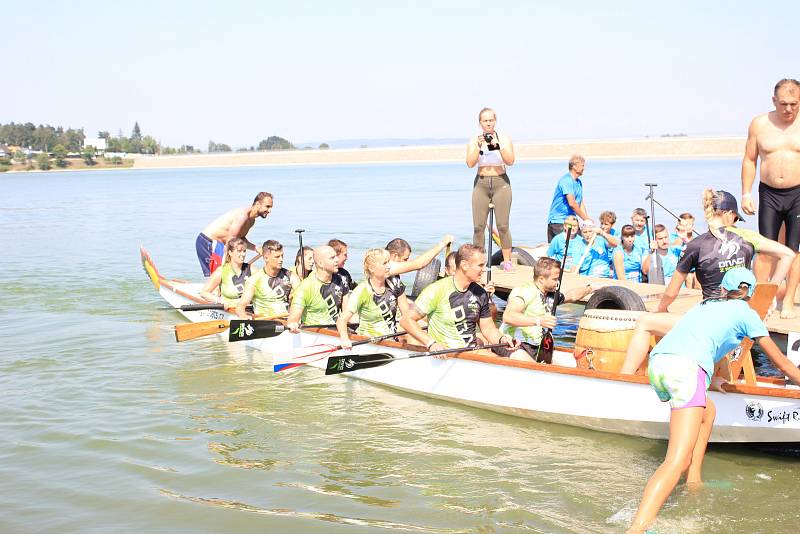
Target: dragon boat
(755, 410)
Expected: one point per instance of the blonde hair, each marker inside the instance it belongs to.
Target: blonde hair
(373, 257)
(710, 200)
(487, 109)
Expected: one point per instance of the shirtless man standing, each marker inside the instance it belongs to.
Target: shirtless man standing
(210, 244)
(775, 138)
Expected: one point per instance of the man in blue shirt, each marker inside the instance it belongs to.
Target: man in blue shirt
(567, 198)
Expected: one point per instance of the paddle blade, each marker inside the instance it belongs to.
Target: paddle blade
(354, 362)
(546, 347)
(186, 331)
(244, 329)
(304, 356)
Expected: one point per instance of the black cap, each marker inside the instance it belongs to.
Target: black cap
(728, 203)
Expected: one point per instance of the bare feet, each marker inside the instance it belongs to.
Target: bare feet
(788, 311)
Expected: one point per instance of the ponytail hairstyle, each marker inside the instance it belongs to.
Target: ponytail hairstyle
(739, 294)
(710, 201)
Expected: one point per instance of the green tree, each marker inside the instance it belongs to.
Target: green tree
(324, 146)
(136, 134)
(88, 155)
(275, 143)
(149, 145)
(73, 139)
(116, 160)
(60, 154)
(21, 157)
(104, 135)
(43, 161)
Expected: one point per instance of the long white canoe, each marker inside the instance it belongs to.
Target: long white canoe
(768, 412)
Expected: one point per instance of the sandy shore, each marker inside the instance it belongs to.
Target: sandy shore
(659, 148)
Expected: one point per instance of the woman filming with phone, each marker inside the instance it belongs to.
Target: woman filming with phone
(491, 152)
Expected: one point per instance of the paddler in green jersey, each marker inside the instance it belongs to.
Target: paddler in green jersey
(319, 299)
(529, 308)
(456, 306)
(226, 284)
(269, 288)
(373, 301)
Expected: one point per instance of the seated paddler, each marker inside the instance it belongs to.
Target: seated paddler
(529, 309)
(269, 288)
(456, 307)
(226, 284)
(374, 301)
(319, 298)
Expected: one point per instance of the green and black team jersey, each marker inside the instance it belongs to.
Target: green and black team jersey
(711, 257)
(271, 293)
(535, 304)
(320, 302)
(395, 284)
(347, 278)
(377, 313)
(231, 285)
(453, 315)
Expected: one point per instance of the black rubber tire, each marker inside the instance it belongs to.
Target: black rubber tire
(615, 298)
(523, 258)
(425, 277)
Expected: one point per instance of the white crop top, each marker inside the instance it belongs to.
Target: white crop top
(490, 158)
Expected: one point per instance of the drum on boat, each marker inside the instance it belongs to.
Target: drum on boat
(603, 337)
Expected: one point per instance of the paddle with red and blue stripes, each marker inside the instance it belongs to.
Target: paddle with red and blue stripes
(284, 363)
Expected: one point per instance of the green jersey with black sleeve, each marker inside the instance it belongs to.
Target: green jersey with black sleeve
(533, 306)
(453, 315)
(377, 312)
(321, 302)
(271, 293)
(231, 285)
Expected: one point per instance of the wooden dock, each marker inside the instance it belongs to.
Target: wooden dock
(650, 293)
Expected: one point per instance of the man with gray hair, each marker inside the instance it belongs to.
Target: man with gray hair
(567, 198)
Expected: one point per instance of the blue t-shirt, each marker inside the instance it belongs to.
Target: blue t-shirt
(641, 241)
(711, 330)
(556, 248)
(632, 262)
(668, 263)
(596, 261)
(559, 208)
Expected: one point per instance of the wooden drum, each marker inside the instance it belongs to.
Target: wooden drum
(603, 337)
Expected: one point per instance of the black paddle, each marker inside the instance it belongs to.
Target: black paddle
(656, 271)
(299, 232)
(244, 329)
(209, 306)
(354, 362)
(546, 346)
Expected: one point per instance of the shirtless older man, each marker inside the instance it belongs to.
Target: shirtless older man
(775, 138)
(210, 244)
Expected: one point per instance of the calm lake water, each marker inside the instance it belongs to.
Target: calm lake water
(109, 425)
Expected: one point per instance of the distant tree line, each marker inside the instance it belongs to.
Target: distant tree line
(135, 144)
(45, 138)
(41, 137)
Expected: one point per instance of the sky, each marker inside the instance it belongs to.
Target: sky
(237, 72)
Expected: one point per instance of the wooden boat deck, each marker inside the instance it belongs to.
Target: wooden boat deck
(650, 293)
